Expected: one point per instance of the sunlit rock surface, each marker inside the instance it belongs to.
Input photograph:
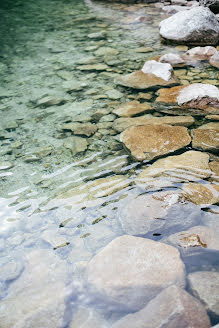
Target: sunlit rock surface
(162, 70)
(146, 142)
(132, 108)
(126, 271)
(206, 137)
(201, 194)
(179, 309)
(195, 26)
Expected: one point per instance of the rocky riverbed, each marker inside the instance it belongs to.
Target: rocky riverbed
(108, 168)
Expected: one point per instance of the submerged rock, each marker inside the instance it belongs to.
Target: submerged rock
(49, 101)
(146, 142)
(206, 137)
(204, 285)
(173, 307)
(195, 26)
(201, 194)
(129, 271)
(86, 129)
(75, 144)
(132, 108)
(87, 318)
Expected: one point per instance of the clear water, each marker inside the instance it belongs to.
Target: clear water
(49, 227)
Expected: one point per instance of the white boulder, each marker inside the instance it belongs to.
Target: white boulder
(162, 70)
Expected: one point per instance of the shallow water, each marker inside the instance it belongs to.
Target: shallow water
(52, 215)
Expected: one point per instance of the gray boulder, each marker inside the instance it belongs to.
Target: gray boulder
(197, 26)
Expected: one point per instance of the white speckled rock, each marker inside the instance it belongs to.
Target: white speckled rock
(197, 91)
(162, 70)
(195, 26)
(172, 308)
(130, 271)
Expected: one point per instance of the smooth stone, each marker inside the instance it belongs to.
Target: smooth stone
(162, 211)
(73, 85)
(75, 144)
(49, 101)
(103, 51)
(132, 108)
(213, 117)
(87, 318)
(114, 94)
(195, 99)
(147, 142)
(198, 236)
(143, 49)
(206, 137)
(5, 165)
(126, 275)
(172, 308)
(140, 80)
(204, 285)
(93, 67)
(172, 59)
(190, 166)
(121, 124)
(191, 27)
(161, 70)
(202, 53)
(214, 166)
(214, 60)
(85, 129)
(98, 35)
(201, 194)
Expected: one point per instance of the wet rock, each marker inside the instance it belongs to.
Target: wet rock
(213, 117)
(206, 137)
(93, 67)
(198, 236)
(140, 80)
(214, 166)
(49, 101)
(125, 273)
(173, 306)
(73, 85)
(173, 9)
(161, 70)
(87, 318)
(114, 94)
(201, 194)
(159, 211)
(30, 305)
(214, 60)
(85, 129)
(75, 144)
(147, 142)
(132, 108)
(196, 99)
(195, 26)
(104, 51)
(172, 59)
(143, 49)
(121, 124)
(98, 35)
(10, 270)
(5, 165)
(204, 285)
(190, 166)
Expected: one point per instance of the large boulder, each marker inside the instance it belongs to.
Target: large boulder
(172, 308)
(130, 271)
(197, 26)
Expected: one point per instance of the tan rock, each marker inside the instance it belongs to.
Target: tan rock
(93, 67)
(140, 80)
(172, 308)
(121, 124)
(206, 137)
(190, 166)
(214, 166)
(204, 285)
(146, 142)
(213, 117)
(77, 128)
(129, 271)
(132, 108)
(145, 96)
(201, 194)
(143, 49)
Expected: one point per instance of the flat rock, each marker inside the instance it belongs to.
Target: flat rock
(76, 144)
(49, 101)
(121, 124)
(105, 51)
(161, 70)
(173, 307)
(201, 53)
(201, 194)
(140, 80)
(198, 236)
(214, 166)
(160, 211)
(214, 60)
(195, 99)
(132, 108)
(206, 137)
(204, 285)
(173, 59)
(147, 142)
(87, 318)
(5, 166)
(93, 67)
(195, 26)
(129, 271)
(86, 129)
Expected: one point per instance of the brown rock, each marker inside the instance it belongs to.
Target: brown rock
(140, 80)
(147, 142)
(213, 117)
(121, 124)
(86, 129)
(206, 137)
(201, 194)
(132, 108)
(214, 166)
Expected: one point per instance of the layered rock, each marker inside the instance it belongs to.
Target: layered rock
(132, 108)
(196, 99)
(206, 137)
(173, 307)
(147, 142)
(205, 286)
(201, 194)
(129, 271)
(195, 26)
